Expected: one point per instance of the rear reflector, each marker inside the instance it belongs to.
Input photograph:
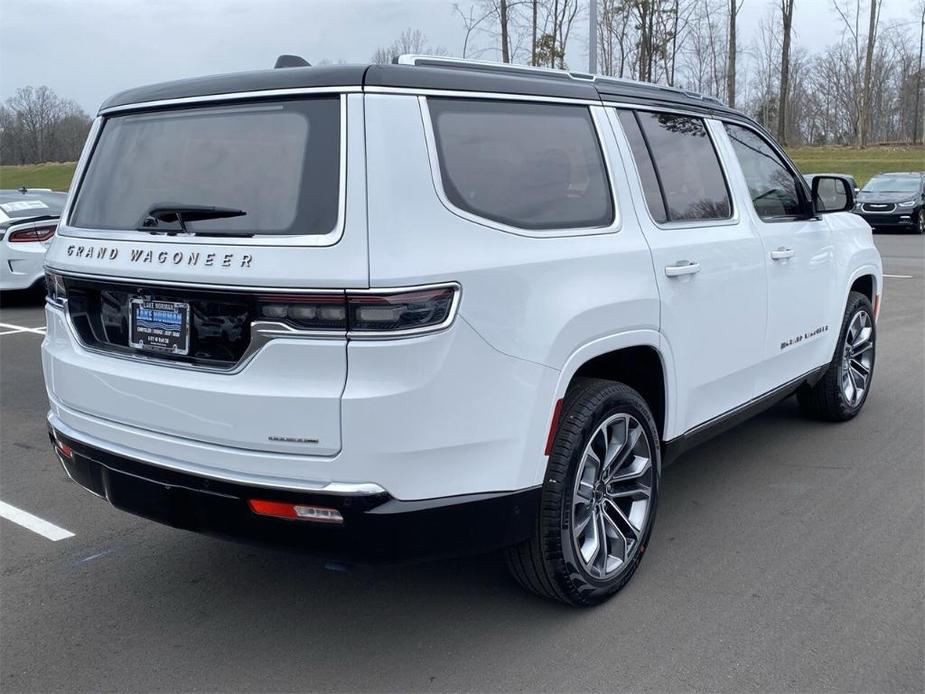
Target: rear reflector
(281, 509)
(62, 448)
(553, 426)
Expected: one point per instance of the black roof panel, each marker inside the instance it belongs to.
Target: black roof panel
(459, 76)
(256, 80)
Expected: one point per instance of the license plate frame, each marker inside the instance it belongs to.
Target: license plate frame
(165, 332)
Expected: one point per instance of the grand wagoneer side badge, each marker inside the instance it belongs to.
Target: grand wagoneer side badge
(175, 257)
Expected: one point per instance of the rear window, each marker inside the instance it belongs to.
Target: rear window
(278, 162)
(526, 165)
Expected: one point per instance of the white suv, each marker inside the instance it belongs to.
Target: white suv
(438, 307)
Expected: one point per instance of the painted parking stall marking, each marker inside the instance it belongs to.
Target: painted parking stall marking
(11, 329)
(34, 523)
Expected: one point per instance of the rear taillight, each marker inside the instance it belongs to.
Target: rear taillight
(365, 313)
(37, 233)
(55, 290)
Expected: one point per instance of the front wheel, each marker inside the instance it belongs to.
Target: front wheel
(599, 497)
(842, 391)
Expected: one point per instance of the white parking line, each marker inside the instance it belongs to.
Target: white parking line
(10, 329)
(898, 277)
(33, 523)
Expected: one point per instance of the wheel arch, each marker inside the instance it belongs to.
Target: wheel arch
(635, 359)
(867, 280)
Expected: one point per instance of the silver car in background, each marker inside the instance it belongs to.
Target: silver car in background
(28, 220)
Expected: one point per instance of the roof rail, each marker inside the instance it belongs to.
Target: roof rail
(486, 65)
(548, 72)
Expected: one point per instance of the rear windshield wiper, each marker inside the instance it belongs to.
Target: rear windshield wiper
(181, 214)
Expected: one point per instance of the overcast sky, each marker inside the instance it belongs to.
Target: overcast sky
(88, 49)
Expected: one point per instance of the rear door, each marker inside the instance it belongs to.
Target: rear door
(708, 262)
(799, 258)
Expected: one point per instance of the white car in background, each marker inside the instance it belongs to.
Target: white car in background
(28, 220)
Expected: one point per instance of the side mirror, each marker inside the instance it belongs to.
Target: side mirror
(832, 194)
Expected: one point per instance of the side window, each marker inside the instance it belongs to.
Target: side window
(771, 184)
(527, 165)
(692, 179)
(650, 185)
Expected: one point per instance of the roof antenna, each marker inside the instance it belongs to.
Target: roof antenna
(286, 60)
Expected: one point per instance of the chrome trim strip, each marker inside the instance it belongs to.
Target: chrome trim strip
(259, 338)
(230, 96)
(333, 488)
(892, 209)
(421, 91)
(279, 240)
(262, 332)
(437, 180)
(680, 111)
(192, 285)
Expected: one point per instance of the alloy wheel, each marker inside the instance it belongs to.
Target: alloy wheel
(857, 358)
(612, 497)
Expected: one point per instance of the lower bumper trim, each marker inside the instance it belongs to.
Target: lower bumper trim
(376, 527)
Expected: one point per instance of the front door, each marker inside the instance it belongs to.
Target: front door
(799, 259)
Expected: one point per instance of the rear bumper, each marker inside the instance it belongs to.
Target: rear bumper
(376, 527)
(21, 265)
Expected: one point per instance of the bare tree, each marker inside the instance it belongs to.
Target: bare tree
(36, 125)
(412, 41)
(868, 62)
(734, 7)
(918, 80)
(786, 10)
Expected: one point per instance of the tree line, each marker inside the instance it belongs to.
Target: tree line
(36, 125)
(864, 87)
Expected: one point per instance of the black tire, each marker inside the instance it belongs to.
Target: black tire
(921, 221)
(546, 564)
(826, 399)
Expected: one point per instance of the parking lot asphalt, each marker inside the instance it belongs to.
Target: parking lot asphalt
(788, 555)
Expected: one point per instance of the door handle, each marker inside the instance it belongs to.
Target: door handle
(782, 253)
(682, 267)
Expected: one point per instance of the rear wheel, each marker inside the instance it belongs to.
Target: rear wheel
(842, 391)
(599, 497)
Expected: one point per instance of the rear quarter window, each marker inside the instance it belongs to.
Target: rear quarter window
(279, 162)
(526, 165)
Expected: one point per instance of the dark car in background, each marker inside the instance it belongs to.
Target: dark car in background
(894, 201)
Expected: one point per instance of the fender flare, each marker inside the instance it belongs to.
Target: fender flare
(861, 271)
(611, 343)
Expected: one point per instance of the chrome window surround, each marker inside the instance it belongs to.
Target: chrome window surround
(437, 178)
(732, 220)
(262, 332)
(284, 240)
